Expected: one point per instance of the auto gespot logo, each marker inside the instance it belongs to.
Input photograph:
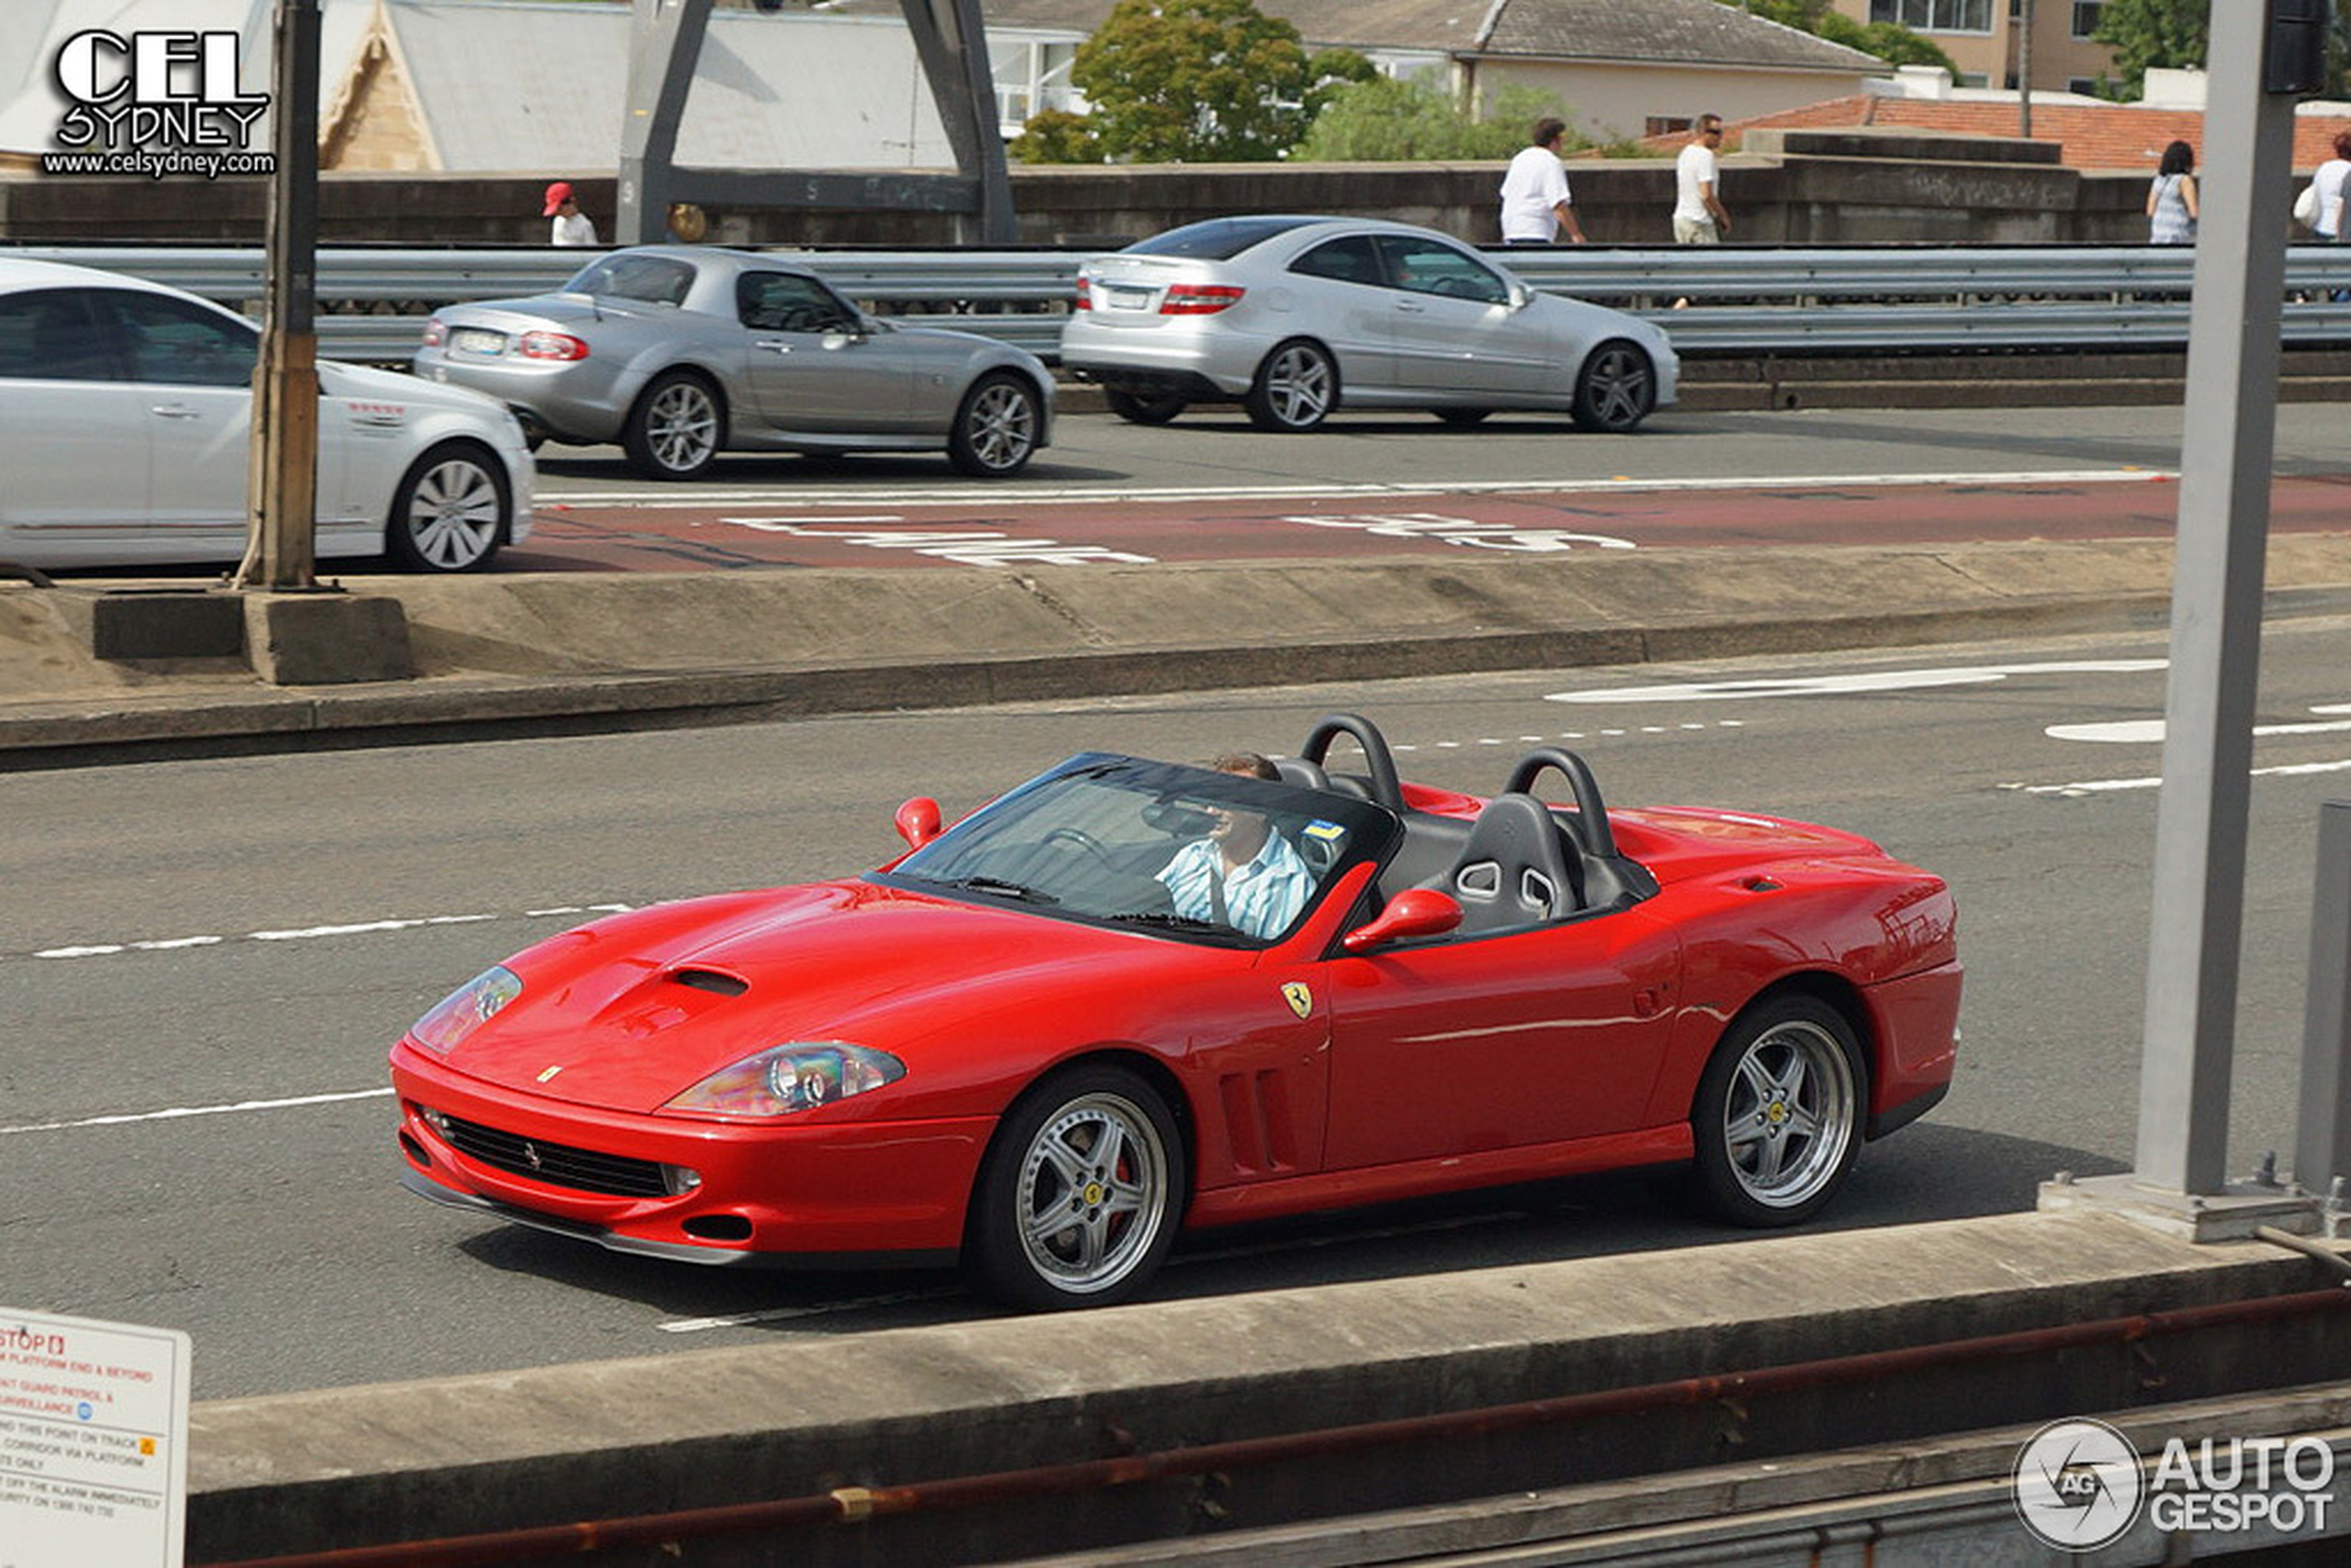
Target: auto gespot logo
(2080, 1486)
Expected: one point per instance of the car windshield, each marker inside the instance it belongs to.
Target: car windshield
(1219, 239)
(655, 280)
(1152, 846)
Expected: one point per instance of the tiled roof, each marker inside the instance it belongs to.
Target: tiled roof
(2089, 136)
(1663, 32)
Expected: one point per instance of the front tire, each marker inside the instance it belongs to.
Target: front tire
(1078, 1198)
(1136, 408)
(1617, 389)
(676, 427)
(996, 428)
(1778, 1116)
(1296, 388)
(450, 512)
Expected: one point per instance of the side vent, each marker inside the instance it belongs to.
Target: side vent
(711, 980)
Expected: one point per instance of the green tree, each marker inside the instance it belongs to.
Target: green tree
(1384, 120)
(1203, 80)
(2148, 34)
(1056, 136)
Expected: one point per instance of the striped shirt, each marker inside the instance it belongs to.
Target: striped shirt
(1261, 898)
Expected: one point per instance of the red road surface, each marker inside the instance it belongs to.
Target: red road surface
(754, 534)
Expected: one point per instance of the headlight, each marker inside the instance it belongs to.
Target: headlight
(467, 1009)
(783, 1079)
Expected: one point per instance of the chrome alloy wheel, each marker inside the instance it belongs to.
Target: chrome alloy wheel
(453, 513)
(1092, 1195)
(1297, 388)
(1000, 428)
(1619, 388)
(681, 425)
(1789, 1117)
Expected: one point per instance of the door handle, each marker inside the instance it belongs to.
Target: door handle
(1410, 307)
(1647, 1000)
(173, 411)
(773, 345)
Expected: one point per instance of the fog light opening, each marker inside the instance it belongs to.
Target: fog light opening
(416, 1152)
(718, 1227)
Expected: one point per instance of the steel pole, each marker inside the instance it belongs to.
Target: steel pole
(2322, 1144)
(284, 487)
(2216, 616)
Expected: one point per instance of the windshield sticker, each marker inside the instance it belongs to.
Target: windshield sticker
(1329, 832)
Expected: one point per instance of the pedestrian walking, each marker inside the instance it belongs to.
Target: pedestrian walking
(1535, 203)
(2171, 198)
(1698, 217)
(2329, 183)
(571, 226)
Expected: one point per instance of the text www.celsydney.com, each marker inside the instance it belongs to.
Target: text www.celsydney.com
(158, 164)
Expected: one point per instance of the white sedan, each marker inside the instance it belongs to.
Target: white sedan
(126, 415)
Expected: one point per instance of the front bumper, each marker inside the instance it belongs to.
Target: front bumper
(865, 1192)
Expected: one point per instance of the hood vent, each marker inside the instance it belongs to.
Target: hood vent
(711, 980)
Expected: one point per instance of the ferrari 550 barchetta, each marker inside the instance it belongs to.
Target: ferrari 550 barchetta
(1129, 997)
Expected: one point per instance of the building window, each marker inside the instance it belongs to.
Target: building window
(1934, 16)
(1665, 125)
(1032, 76)
(2085, 18)
(2085, 85)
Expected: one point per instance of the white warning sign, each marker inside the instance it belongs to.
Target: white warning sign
(93, 1443)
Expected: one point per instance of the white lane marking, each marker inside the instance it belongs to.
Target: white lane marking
(310, 933)
(2147, 731)
(1467, 531)
(2104, 786)
(1076, 495)
(1402, 748)
(1848, 685)
(177, 1113)
(970, 547)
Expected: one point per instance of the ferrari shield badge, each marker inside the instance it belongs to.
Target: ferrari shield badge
(551, 1072)
(1300, 999)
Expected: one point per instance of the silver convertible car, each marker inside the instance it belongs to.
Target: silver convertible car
(1295, 317)
(681, 352)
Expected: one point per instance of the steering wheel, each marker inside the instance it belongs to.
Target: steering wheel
(1386, 789)
(1591, 814)
(1084, 841)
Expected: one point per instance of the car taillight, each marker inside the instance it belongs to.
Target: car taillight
(435, 332)
(1198, 299)
(1085, 295)
(550, 345)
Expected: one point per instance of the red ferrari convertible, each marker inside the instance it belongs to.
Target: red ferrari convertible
(1129, 997)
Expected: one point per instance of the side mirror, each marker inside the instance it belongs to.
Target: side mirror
(1415, 911)
(918, 823)
(1520, 295)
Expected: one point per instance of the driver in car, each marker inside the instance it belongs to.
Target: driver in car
(1243, 873)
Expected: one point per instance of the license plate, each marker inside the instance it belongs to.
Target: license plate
(1128, 299)
(475, 339)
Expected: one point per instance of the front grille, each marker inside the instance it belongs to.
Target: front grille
(558, 1165)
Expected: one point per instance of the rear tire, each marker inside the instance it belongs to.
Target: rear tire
(1779, 1112)
(1137, 408)
(676, 427)
(1296, 388)
(450, 512)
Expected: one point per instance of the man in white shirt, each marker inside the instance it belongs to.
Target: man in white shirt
(1698, 217)
(1243, 875)
(571, 226)
(1535, 199)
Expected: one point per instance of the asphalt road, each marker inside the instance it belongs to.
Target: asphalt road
(194, 1132)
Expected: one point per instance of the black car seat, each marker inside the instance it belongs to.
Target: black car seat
(1518, 868)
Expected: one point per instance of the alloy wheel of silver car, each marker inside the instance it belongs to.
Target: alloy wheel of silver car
(1077, 1200)
(995, 430)
(449, 511)
(1297, 388)
(1778, 1117)
(675, 429)
(1617, 389)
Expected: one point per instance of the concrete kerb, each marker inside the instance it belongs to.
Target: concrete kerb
(513, 647)
(464, 1455)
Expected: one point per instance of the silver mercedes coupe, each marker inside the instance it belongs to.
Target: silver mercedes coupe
(1294, 318)
(681, 352)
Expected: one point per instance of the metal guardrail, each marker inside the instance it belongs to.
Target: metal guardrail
(1731, 299)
